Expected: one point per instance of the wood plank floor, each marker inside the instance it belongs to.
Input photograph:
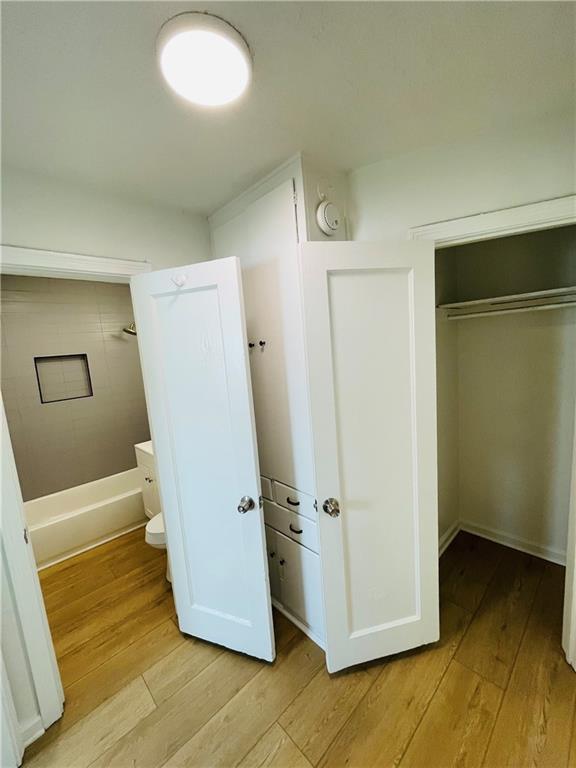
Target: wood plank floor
(494, 691)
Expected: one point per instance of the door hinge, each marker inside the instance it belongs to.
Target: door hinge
(26, 535)
(260, 501)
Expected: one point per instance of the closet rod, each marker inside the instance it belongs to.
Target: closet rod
(510, 310)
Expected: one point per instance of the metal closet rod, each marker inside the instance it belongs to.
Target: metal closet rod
(510, 310)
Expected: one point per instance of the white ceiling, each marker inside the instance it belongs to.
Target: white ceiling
(347, 82)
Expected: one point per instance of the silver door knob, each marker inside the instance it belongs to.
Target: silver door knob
(331, 507)
(246, 504)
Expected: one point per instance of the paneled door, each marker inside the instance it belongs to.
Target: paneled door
(193, 349)
(370, 338)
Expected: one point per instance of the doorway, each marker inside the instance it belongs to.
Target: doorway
(506, 375)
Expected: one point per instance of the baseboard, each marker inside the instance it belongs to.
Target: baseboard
(78, 550)
(31, 730)
(448, 537)
(300, 624)
(515, 542)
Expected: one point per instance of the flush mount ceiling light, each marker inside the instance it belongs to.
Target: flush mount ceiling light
(204, 59)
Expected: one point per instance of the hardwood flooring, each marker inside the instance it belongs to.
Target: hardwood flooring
(495, 690)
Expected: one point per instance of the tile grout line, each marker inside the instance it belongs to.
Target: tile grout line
(72, 650)
(373, 682)
(452, 658)
(156, 705)
(573, 740)
(512, 667)
(290, 739)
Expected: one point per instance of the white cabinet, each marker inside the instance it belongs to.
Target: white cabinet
(295, 583)
(334, 357)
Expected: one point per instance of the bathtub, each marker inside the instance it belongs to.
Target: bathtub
(71, 521)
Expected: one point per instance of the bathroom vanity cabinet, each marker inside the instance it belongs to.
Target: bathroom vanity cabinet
(291, 396)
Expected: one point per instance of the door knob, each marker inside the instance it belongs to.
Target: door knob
(246, 504)
(331, 507)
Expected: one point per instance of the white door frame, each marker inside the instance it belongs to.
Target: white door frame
(20, 562)
(546, 214)
(37, 640)
(34, 262)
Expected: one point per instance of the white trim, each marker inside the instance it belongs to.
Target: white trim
(300, 624)
(21, 566)
(16, 260)
(569, 623)
(551, 554)
(32, 730)
(12, 740)
(79, 550)
(448, 537)
(547, 214)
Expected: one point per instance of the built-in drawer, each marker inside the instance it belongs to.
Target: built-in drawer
(291, 524)
(294, 500)
(266, 486)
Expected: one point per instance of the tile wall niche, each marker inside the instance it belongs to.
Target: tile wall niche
(62, 444)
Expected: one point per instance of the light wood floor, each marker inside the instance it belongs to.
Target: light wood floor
(495, 691)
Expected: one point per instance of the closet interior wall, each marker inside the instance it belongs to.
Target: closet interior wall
(506, 394)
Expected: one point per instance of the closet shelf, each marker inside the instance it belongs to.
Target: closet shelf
(519, 302)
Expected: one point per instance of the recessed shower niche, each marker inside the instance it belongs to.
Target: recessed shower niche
(63, 377)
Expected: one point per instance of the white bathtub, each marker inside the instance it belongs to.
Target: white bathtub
(68, 522)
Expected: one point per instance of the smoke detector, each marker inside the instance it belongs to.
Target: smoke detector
(328, 217)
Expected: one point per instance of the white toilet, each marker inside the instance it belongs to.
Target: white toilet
(156, 537)
(155, 531)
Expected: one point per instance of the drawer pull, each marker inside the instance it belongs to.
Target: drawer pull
(282, 562)
(272, 554)
(292, 503)
(295, 530)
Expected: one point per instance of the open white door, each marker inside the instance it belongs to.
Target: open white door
(193, 349)
(370, 337)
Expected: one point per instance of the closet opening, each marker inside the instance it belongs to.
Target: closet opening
(506, 393)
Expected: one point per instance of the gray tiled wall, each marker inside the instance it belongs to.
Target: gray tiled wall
(63, 444)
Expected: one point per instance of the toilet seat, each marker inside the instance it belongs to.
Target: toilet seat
(155, 532)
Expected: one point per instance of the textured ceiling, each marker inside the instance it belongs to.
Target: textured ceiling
(348, 83)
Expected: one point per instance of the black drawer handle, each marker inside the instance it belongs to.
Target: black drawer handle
(295, 530)
(292, 503)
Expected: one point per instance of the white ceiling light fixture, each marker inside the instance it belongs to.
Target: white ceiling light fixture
(204, 59)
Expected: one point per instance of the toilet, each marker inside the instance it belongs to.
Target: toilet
(156, 537)
(155, 532)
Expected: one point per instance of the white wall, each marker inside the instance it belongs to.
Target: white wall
(520, 166)
(516, 388)
(523, 165)
(506, 392)
(50, 214)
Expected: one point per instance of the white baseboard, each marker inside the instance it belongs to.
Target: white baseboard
(448, 537)
(300, 624)
(516, 542)
(31, 730)
(102, 540)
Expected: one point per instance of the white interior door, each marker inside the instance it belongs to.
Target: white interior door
(370, 337)
(193, 348)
